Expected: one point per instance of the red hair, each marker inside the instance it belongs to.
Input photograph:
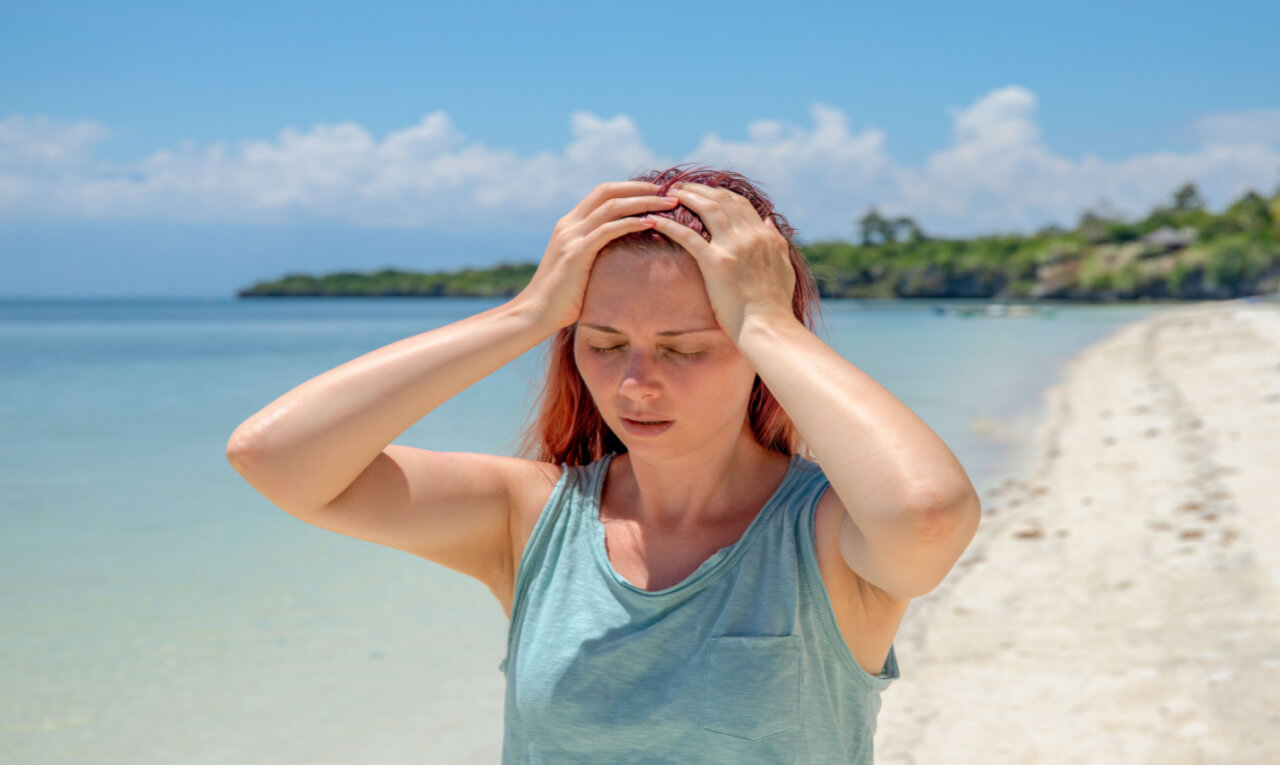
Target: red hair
(569, 429)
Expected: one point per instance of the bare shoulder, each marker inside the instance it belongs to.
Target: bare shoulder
(867, 616)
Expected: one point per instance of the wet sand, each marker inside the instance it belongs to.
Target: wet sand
(1121, 600)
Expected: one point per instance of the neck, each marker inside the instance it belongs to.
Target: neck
(713, 486)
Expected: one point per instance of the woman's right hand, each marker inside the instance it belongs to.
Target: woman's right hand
(560, 281)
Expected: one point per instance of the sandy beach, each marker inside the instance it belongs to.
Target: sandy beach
(1121, 600)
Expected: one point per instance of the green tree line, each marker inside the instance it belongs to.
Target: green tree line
(1180, 250)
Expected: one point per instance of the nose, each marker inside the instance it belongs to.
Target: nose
(639, 377)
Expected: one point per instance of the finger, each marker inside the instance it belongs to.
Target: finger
(621, 207)
(713, 192)
(729, 198)
(606, 191)
(682, 235)
(607, 232)
(713, 214)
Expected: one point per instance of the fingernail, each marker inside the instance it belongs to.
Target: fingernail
(670, 199)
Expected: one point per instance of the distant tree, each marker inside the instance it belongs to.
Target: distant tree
(1187, 198)
(1160, 217)
(1249, 213)
(874, 228)
(906, 230)
(1093, 227)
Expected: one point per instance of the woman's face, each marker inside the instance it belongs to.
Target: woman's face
(664, 375)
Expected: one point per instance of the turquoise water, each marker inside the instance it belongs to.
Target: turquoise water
(157, 610)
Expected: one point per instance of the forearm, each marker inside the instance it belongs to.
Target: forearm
(309, 445)
(889, 468)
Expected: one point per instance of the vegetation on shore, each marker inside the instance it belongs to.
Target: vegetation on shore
(504, 279)
(1179, 250)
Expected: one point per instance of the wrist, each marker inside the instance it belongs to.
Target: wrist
(531, 312)
(764, 324)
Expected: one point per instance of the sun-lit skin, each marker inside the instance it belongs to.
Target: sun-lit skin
(649, 350)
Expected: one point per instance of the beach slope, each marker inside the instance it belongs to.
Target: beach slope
(1121, 601)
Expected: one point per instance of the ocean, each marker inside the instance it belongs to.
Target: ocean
(155, 609)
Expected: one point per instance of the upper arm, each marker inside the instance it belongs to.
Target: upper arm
(455, 509)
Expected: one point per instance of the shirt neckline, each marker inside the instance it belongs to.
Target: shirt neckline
(707, 571)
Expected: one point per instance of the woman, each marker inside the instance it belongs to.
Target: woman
(683, 586)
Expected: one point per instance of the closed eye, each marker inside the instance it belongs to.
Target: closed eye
(671, 351)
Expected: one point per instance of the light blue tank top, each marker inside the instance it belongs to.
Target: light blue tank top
(742, 662)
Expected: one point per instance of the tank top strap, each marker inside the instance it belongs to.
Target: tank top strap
(564, 518)
(797, 497)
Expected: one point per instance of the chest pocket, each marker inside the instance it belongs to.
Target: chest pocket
(751, 686)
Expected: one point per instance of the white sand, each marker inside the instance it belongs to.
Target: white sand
(1121, 602)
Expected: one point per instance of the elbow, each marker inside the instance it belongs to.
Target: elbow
(249, 461)
(276, 477)
(912, 556)
(240, 452)
(947, 518)
(959, 522)
(943, 532)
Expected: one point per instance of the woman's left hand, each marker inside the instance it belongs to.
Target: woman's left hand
(746, 266)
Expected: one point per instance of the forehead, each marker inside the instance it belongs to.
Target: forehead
(645, 287)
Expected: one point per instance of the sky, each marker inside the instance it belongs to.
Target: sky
(192, 149)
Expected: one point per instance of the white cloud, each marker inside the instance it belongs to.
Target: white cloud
(38, 154)
(41, 142)
(996, 174)
(1248, 126)
(820, 176)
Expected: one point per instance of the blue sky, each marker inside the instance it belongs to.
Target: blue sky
(190, 149)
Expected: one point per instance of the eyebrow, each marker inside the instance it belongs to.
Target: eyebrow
(665, 333)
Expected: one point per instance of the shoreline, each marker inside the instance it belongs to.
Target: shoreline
(1120, 601)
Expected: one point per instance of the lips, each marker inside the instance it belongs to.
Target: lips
(645, 425)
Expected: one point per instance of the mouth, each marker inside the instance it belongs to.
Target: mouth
(646, 427)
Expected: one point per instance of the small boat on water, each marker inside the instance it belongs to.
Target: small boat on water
(996, 310)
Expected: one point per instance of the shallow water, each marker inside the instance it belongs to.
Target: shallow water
(158, 610)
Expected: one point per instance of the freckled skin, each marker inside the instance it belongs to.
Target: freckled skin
(642, 293)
